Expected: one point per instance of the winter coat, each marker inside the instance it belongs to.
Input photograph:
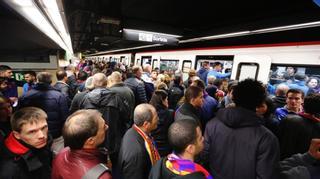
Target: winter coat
(134, 161)
(238, 146)
(52, 102)
(20, 161)
(160, 135)
(77, 161)
(138, 89)
(296, 132)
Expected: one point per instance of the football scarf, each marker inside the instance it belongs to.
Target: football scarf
(149, 144)
(184, 167)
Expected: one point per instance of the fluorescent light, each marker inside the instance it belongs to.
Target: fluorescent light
(30, 11)
(56, 17)
(235, 34)
(133, 48)
(149, 32)
(288, 27)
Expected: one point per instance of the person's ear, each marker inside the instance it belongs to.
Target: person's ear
(190, 149)
(16, 135)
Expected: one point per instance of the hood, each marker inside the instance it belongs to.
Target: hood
(238, 117)
(100, 97)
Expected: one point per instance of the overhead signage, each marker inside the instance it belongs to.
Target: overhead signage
(155, 38)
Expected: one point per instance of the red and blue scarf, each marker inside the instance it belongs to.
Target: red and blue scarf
(184, 167)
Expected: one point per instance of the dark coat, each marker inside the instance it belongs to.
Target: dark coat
(160, 135)
(77, 101)
(187, 111)
(64, 89)
(175, 93)
(77, 161)
(279, 101)
(134, 161)
(138, 89)
(160, 171)
(300, 166)
(33, 163)
(52, 102)
(296, 132)
(238, 146)
(122, 90)
(110, 105)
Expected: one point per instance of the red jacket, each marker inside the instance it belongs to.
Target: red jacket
(75, 163)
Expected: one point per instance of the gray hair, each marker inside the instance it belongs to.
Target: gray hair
(115, 77)
(89, 85)
(44, 77)
(99, 80)
(142, 113)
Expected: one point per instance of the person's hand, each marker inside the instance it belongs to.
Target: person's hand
(314, 149)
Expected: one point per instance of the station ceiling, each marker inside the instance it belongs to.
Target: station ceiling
(96, 25)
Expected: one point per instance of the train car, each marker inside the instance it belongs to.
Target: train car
(261, 62)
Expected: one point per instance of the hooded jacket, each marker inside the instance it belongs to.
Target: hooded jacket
(238, 146)
(113, 112)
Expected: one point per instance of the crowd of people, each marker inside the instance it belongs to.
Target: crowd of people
(107, 120)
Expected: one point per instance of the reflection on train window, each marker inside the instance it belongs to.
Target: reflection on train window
(225, 60)
(155, 63)
(146, 60)
(138, 61)
(169, 65)
(186, 66)
(247, 70)
(305, 78)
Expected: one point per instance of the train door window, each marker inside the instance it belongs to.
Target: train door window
(155, 63)
(145, 60)
(169, 65)
(186, 66)
(122, 58)
(306, 78)
(225, 60)
(138, 62)
(247, 70)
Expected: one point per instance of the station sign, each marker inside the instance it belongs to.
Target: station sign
(151, 37)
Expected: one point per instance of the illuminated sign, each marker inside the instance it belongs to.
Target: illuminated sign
(151, 37)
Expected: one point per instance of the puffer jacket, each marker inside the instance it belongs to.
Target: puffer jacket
(138, 88)
(238, 146)
(50, 100)
(75, 163)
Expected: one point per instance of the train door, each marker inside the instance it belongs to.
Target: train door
(251, 66)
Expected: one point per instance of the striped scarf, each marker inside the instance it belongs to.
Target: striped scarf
(149, 144)
(184, 167)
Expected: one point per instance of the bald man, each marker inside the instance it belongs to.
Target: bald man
(115, 111)
(138, 152)
(280, 99)
(117, 86)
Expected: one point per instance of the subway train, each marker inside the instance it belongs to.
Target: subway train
(264, 62)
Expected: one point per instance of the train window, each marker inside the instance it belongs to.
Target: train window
(247, 70)
(170, 65)
(145, 60)
(155, 63)
(138, 61)
(226, 60)
(305, 78)
(186, 66)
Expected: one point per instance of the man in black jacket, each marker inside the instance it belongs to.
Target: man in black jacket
(185, 137)
(138, 152)
(237, 145)
(25, 153)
